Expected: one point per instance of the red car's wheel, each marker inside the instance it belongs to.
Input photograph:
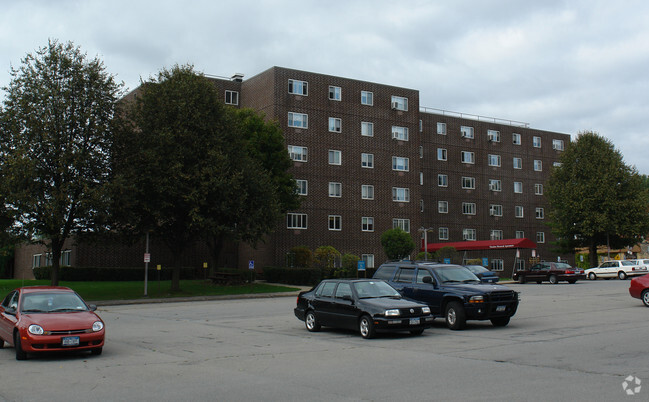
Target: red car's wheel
(20, 353)
(645, 297)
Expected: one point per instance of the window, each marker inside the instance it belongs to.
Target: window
(367, 98)
(421, 152)
(405, 275)
(66, 258)
(302, 187)
(334, 93)
(468, 183)
(441, 128)
(367, 224)
(466, 132)
(298, 154)
(421, 179)
(536, 142)
(335, 189)
(421, 126)
(441, 154)
(367, 129)
(400, 133)
(496, 235)
(442, 233)
(399, 163)
(495, 210)
(557, 145)
(518, 187)
(520, 264)
(298, 87)
(538, 189)
(540, 213)
(518, 211)
(403, 224)
(298, 120)
(400, 194)
(369, 260)
(367, 192)
(335, 157)
(497, 264)
(231, 97)
(335, 222)
(343, 290)
(399, 103)
(518, 163)
(538, 165)
(468, 157)
(516, 139)
(36, 260)
(442, 180)
(468, 208)
(367, 160)
(520, 234)
(468, 234)
(540, 237)
(296, 221)
(335, 125)
(442, 207)
(494, 160)
(493, 136)
(495, 185)
(556, 164)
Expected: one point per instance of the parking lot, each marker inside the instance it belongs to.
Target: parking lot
(576, 342)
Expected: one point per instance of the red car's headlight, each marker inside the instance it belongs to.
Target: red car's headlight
(36, 329)
(97, 326)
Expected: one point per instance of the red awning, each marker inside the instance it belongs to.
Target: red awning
(483, 245)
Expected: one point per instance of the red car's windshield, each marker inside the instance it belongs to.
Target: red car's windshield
(49, 302)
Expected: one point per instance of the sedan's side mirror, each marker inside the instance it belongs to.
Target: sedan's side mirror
(427, 279)
(92, 307)
(348, 298)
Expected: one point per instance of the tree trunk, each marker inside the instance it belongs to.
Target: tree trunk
(592, 255)
(57, 245)
(175, 273)
(215, 245)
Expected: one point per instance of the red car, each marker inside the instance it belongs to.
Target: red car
(49, 318)
(640, 289)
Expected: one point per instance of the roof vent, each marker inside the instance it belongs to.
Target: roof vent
(237, 77)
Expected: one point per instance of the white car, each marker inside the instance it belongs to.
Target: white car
(617, 268)
(642, 263)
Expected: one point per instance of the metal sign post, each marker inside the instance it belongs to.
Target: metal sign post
(147, 259)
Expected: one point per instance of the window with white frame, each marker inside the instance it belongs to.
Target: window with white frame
(367, 161)
(403, 224)
(495, 210)
(518, 211)
(536, 142)
(495, 185)
(298, 120)
(367, 129)
(493, 136)
(518, 187)
(441, 128)
(516, 139)
(335, 189)
(231, 97)
(399, 103)
(540, 237)
(421, 152)
(442, 233)
(520, 234)
(497, 264)
(400, 133)
(369, 260)
(557, 145)
(36, 260)
(400, 194)
(421, 126)
(538, 165)
(302, 187)
(367, 192)
(520, 264)
(468, 157)
(66, 258)
(556, 164)
(367, 98)
(442, 180)
(335, 222)
(297, 87)
(334, 93)
(297, 153)
(468, 208)
(442, 207)
(335, 157)
(421, 178)
(540, 213)
(367, 224)
(496, 234)
(518, 163)
(468, 234)
(296, 221)
(400, 163)
(538, 189)
(468, 183)
(466, 132)
(335, 125)
(441, 154)
(494, 160)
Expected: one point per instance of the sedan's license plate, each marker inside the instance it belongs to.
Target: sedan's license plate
(70, 341)
(414, 321)
(501, 308)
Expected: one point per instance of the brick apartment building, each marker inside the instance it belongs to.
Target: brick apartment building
(367, 158)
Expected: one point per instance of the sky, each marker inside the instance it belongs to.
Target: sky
(564, 66)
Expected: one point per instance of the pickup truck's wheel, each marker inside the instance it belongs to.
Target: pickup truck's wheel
(366, 327)
(311, 322)
(621, 275)
(645, 297)
(553, 279)
(500, 321)
(592, 276)
(455, 316)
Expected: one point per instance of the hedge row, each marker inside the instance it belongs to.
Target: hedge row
(292, 276)
(113, 274)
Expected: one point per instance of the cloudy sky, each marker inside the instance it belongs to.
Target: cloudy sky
(565, 66)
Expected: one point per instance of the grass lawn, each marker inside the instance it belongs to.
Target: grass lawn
(96, 291)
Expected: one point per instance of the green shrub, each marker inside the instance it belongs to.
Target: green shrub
(348, 268)
(302, 257)
(325, 259)
(292, 276)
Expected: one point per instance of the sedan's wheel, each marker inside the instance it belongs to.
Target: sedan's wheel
(500, 321)
(621, 275)
(417, 332)
(96, 351)
(553, 279)
(2, 343)
(572, 281)
(521, 279)
(592, 276)
(366, 327)
(311, 322)
(645, 297)
(20, 353)
(455, 316)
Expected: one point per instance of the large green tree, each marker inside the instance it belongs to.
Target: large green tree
(595, 198)
(397, 243)
(55, 142)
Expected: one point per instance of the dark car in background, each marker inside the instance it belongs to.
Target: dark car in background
(639, 289)
(483, 273)
(364, 305)
(451, 291)
(552, 272)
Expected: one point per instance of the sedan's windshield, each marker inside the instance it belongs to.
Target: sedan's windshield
(51, 302)
(455, 274)
(371, 289)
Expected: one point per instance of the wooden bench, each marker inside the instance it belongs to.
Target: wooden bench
(226, 278)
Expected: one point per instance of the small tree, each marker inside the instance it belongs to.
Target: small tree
(302, 256)
(325, 259)
(397, 244)
(447, 252)
(348, 267)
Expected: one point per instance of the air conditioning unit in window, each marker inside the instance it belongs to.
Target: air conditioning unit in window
(395, 135)
(395, 105)
(490, 138)
(493, 187)
(492, 212)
